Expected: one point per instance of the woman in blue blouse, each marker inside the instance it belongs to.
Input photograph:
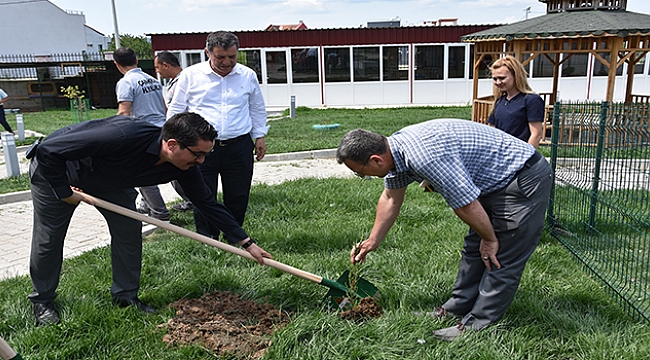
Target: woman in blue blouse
(517, 110)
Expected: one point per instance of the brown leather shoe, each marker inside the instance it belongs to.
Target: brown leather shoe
(46, 314)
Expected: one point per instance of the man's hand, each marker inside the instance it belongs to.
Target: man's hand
(488, 250)
(360, 250)
(260, 148)
(76, 197)
(258, 253)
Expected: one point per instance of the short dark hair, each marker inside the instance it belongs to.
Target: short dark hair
(188, 128)
(358, 145)
(167, 57)
(125, 56)
(222, 39)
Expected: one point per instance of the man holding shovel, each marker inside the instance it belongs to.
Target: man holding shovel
(107, 158)
(496, 183)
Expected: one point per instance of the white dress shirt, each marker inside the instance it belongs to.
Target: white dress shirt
(233, 104)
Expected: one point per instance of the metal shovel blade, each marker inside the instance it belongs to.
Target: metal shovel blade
(343, 297)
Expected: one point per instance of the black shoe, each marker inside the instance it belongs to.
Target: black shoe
(135, 302)
(46, 314)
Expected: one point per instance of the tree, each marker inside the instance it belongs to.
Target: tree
(140, 44)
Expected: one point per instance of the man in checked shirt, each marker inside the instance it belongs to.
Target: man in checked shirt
(494, 182)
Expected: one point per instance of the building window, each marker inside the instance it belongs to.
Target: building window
(276, 67)
(192, 58)
(366, 63)
(542, 66)
(601, 70)
(337, 64)
(251, 58)
(429, 62)
(456, 65)
(576, 65)
(396, 62)
(304, 65)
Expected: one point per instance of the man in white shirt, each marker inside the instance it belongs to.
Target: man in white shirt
(228, 96)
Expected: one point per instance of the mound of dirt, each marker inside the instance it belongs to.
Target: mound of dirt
(365, 309)
(225, 323)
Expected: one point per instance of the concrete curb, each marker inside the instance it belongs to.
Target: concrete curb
(15, 197)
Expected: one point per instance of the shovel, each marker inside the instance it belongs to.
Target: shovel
(6, 352)
(341, 296)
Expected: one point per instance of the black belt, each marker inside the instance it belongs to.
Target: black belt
(233, 140)
(530, 162)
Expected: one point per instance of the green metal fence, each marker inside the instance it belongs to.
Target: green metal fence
(599, 207)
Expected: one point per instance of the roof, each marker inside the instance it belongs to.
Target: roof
(569, 24)
(300, 26)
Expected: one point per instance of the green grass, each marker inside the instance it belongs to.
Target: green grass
(298, 134)
(558, 312)
(46, 122)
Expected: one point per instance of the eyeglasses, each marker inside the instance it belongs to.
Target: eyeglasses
(197, 154)
(360, 173)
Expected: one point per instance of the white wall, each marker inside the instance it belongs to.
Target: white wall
(95, 41)
(40, 28)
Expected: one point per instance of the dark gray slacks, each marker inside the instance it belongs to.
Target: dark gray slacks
(154, 200)
(517, 215)
(51, 220)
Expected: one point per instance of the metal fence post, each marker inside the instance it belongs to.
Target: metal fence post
(292, 110)
(20, 127)
(11, 157)
(555, 135)
(598, 160)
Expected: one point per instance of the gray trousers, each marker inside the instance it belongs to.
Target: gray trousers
(517, 213)
(51, 219)
(154, 200)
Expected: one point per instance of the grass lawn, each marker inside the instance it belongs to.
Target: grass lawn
(558, 313)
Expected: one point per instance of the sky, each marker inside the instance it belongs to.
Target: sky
(139, 17)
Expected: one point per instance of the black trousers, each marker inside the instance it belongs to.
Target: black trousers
(51, 219)
(233, 162)
(3, 119)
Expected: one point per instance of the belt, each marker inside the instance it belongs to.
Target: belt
(233, 140)
(530, 162)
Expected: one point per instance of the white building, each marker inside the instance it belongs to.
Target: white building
(41, 28)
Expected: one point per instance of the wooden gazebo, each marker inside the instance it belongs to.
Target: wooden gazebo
(602, 28)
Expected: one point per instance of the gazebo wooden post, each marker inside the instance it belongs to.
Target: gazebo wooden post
(556, 77)
(615, 43)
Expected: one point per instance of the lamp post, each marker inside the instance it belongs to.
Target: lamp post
(117, 32)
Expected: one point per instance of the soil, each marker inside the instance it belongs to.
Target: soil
(366, 308)
(228, 325)
(225, 323)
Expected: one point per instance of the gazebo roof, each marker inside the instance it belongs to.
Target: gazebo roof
(569, 24)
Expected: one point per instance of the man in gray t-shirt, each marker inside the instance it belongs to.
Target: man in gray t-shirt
(168, 67)
(139, 95)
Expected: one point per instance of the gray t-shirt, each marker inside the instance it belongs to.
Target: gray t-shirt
(168, 90)
(145, 94)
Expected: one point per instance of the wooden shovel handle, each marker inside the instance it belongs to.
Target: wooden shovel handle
(6, 352)
(89, 199)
